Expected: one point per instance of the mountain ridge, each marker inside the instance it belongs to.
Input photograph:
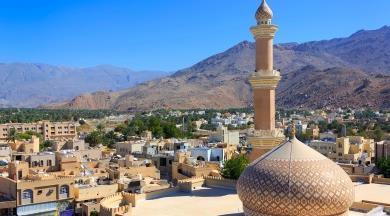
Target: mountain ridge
(220, 81)
(35, 84)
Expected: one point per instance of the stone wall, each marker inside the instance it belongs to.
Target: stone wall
(381, 180)
(362, 178)
(188, 185)
(219, 182)
(108, 206)
(94, 192)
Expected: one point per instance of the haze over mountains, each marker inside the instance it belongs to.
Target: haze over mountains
(352, 71)
(31, 85)
(343, 72)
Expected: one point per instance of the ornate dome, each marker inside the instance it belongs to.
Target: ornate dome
(293, 179)
(264, 12)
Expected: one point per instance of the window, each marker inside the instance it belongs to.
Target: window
(39, 192)
(163, 162)
(64, 191)
(27, 196)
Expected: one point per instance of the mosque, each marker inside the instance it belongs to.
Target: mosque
(285, 177)
(292, 178)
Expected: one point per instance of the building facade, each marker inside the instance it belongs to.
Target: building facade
(49, 130)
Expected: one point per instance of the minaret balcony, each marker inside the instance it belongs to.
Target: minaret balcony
(264, 31)
(265, 79)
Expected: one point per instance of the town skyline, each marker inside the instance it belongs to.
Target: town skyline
(99, 32)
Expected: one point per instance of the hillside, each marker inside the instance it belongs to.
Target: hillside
(221, 80)
(31, 85)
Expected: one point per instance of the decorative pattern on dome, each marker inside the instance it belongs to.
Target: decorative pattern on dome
(294, 179)
(264, 12)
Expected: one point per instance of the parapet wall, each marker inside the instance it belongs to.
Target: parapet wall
(219, 182)
(381, 180)
(188, 185)
(362, 178)
(108, 205)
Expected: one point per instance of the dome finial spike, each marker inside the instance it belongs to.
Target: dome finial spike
(293, 130)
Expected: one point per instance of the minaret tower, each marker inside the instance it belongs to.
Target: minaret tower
(264, 82)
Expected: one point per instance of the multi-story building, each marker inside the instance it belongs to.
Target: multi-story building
(225, 136)
(324, 147)
(41, 194)
(354, 149)
(49, 130)
(45, 195)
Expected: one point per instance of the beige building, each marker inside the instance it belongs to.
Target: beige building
(324, 147)
(26, 146)
(354, 149)
(43, 194)
(126, 148)
(7, 197)
(185, 167)
(49, 130)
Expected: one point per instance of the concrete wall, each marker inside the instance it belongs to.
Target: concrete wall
(94, 192)
(8, 186)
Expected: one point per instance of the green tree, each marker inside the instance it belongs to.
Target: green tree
(109, 139)
(100, 128)
(233, 168)
(171, 131)
(46, 144)
(158, 132)
(384, 166)
(378, 134)
(94, 138)
(12, 135)
(94, 213)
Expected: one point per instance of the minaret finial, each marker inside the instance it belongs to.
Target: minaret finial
(293, 130)
(264, 13)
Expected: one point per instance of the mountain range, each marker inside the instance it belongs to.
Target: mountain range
(32, 85)
(343, 72)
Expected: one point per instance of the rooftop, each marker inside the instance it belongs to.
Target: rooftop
(224, 202)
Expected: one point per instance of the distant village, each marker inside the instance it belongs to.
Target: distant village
(89, 166)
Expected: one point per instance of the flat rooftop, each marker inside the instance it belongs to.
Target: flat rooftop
(372, 192)
(222, 202)
(203, 201)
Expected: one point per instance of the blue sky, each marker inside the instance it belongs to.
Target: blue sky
(164, 34)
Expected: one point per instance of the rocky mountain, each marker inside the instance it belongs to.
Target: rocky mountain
(352, 71)
(31, 85)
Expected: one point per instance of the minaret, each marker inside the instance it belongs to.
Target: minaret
(264, 82)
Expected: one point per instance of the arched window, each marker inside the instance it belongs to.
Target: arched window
(27, 196)
(64, 191)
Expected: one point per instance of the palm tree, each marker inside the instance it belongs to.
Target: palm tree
(12, 135)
